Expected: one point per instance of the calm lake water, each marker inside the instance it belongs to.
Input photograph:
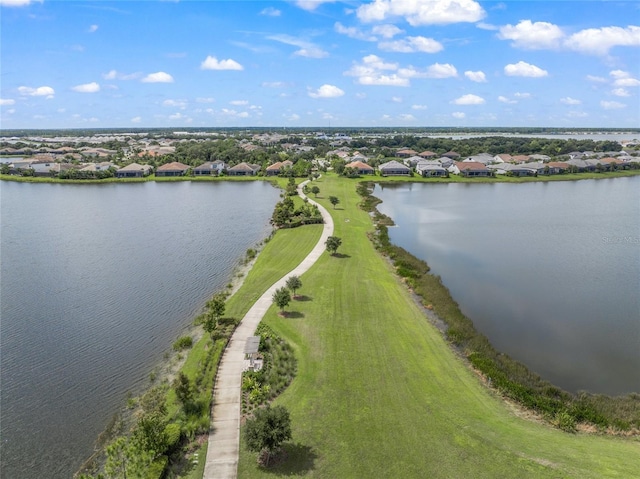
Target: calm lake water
(97, 282)
(549, 272)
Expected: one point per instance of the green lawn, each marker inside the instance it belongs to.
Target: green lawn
(280, 255)
(379, 393)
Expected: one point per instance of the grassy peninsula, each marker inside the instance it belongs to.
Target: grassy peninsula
(380, 393)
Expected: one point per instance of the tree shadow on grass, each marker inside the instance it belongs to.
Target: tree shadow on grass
(293, 315)
(340, 255)
(293, 460)
(302, 298)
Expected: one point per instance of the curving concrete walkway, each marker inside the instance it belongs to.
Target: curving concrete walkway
(224, 434)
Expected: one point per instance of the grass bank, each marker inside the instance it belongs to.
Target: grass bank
(380, 393)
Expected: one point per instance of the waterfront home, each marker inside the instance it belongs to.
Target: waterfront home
(556, 167)
(209, 168)
(519, 159)
(134, 170)
(536, 168)
(484, 158)
(278, 167)
(174, 168)
(510, 169)
(429, 169)
(394, 168)
(103, 166)
(243, 169)
(470, 169)
(361, 168)
(580, 165)
(445, 161)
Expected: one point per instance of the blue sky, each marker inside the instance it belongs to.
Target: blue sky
(78, 64)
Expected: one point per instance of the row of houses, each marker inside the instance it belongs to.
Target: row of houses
(436, 168)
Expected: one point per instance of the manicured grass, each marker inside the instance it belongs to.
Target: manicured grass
(379, 393)
(286, 249)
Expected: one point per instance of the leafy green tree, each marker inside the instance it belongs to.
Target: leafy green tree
(125, 459)
(294, 283)
(4, 169)
(216, 308)
(282, 298)
(149, 434)
(334, 200)
(315, 190)
(183, 389)
(332, 244)
(268, 430)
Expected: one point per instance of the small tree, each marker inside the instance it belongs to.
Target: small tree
(183, 389)
(334, 200)
(217, 308)
(315, 190)
(294, 283)
(332, 244)
(268, 430)
(282, 298)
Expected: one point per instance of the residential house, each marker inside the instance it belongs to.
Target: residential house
(510, 169)
(483, 158)
(406, 153)
(361, 168)
(428, 168)
(412, 161)
(470, 168)
(580, 165)
(174, 168)
(452, 154)
(427, 155)
(519, 159)
(134, 170)
(394, 168)
(536, 167)
(556, 167)
(210, 168)
(502, 158)
(243, 169)
(103, 166)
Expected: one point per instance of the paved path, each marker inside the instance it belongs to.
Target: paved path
(224, 433)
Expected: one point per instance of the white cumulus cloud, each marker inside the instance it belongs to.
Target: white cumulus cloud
(532, 36)
(567, 100)
(469, 99)
(311, 4)
(612, 105)
(158, 77)
(17, 3)
(182, 104)
(620, 92)
(270, 12)
(6, 101)
(418, 107)
(411, 45)
(458, 114)
(598, 41)
(478, 77)
(326, 91)
(623, 79)
(212, 63)
(353, 32)
(39, 91)
(416, 13)
(523, 69)
(136, 119)
(387, 30)
(306, 48)
(504, 99)
(93, 28)
(92, 87)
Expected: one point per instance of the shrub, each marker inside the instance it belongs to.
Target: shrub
(183, 342)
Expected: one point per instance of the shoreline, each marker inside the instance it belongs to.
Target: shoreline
(165, 370)
(377, 178)
(442, 323)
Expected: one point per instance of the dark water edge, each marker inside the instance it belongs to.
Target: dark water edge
(85, 337)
